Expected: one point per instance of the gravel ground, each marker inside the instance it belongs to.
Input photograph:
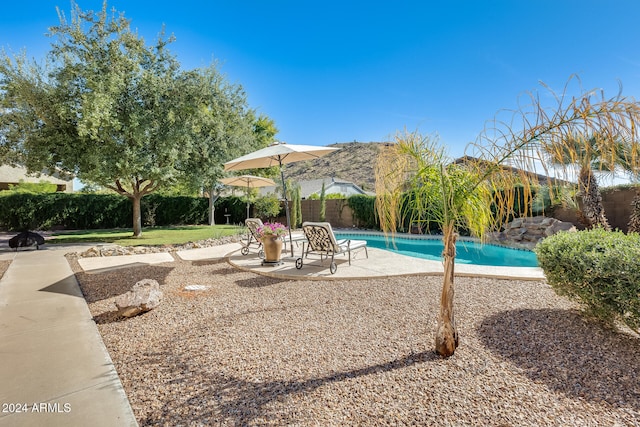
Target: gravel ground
(252, 350)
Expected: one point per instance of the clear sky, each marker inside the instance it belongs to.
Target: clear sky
(341, 71)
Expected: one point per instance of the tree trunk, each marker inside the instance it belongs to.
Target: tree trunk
(446, 333)
(593, 211)
(137, 216)
(213, 197)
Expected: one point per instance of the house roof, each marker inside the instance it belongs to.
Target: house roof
(13, 175)
(331, 185)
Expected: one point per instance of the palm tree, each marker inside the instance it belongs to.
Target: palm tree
(414, 179)
(634, 219)
(589, 154)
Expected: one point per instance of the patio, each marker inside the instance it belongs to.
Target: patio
(380, 264)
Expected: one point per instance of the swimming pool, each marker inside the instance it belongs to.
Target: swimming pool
(467, 251)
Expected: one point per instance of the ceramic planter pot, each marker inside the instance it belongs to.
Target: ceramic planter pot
(272, 246)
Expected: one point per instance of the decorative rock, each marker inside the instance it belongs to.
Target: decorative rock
(144, 296)
(196, 288)
(26, 238)
(115, 250)
(527, 232)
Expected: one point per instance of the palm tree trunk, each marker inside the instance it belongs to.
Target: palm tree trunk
(592, 209)
(634, 219)
(446, 333)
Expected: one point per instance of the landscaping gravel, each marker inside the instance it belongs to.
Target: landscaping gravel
(244, 349)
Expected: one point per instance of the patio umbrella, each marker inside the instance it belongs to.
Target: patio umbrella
(278, 154)
(248, 181)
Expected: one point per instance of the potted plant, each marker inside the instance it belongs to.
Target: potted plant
(271, 237)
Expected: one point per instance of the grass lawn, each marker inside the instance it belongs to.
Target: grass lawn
(150, 236)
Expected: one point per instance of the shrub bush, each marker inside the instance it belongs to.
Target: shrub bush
(364, 210)
(267, 207)
(598, 269)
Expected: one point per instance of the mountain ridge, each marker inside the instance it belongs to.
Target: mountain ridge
(354, 161)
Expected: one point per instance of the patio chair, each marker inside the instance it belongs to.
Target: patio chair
(253, 239)
(322, 240)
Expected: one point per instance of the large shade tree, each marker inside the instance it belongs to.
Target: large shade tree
(118, 113)
(414, 181)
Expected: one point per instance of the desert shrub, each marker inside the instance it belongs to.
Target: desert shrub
(598, 269)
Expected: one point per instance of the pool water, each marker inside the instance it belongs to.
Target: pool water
(467, 252)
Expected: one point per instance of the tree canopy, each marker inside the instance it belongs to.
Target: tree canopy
(118, 113)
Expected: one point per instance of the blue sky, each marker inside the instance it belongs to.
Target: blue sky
(340, 71)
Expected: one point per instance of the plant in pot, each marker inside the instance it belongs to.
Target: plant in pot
(271, 236)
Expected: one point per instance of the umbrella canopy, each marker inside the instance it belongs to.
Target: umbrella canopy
(278, 154)
(248, 181)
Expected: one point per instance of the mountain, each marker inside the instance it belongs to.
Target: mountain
(354, 161)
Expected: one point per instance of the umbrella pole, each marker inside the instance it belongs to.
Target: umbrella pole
(286, 205)
(247, 199)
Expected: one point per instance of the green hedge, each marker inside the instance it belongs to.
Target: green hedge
(30, 211)
(173, 210)
(231, 205)
(364, 211)
(19, 211)
(597, 268)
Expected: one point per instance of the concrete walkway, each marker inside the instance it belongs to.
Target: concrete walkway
(54, 367)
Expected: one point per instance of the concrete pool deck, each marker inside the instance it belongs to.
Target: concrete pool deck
(379, 264)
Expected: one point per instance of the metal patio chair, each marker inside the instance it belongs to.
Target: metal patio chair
(252, 239)
(322, 240)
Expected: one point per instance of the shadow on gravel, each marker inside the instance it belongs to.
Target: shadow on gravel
(259, 282)
(205, 262)
(568, 352)
(239, 402)
(108, 317)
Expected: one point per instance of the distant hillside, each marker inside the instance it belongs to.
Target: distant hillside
(355, 162)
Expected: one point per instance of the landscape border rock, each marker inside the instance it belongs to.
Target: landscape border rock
(116, 250)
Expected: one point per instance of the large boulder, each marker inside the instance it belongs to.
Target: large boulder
(527, 232)
(144, 296)
(26, 238)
